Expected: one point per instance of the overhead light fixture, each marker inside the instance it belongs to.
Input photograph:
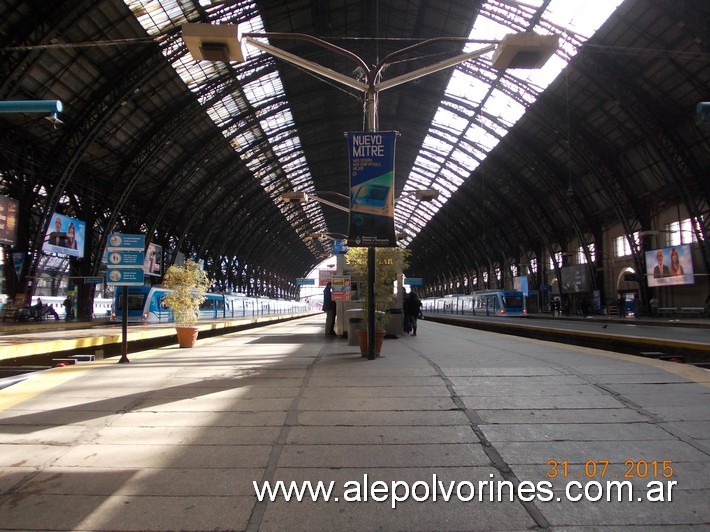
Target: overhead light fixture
(426, 195)
(524, 50)
(213, 42)
(294, 197)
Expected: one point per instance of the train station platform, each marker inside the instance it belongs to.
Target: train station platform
(454, 429)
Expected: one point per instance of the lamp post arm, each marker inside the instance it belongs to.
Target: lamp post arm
(313, 40)
(306, 64)
(330, 203)
(436, 67)
(388, 58)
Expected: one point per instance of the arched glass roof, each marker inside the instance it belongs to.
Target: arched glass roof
(478, 107)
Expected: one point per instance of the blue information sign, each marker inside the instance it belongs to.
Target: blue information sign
(126, 259)
(301, 281)
(414, 281)
(127, 242)
(93, 280)
(125, 276)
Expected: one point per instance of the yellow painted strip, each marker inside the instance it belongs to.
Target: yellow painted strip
(40, 383)
(24, 348)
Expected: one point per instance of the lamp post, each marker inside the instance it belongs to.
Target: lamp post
(224, 43)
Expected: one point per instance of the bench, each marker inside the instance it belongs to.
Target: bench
(691, 311)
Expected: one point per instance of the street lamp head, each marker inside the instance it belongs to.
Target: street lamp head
(428, 194)
(213, 42)
(524, 50)
(294, 197)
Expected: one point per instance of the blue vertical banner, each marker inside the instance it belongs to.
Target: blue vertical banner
(371, 165)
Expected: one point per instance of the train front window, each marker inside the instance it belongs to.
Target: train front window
(513, 301)
(135, 302)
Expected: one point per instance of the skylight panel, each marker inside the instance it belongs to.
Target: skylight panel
(505, 108)
(581, 17)
(486, 28)
(264, 93)
(475, 85)
(465, 161)
(450, 121)
(467, 87)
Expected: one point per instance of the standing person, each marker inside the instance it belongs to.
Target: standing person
(68, 308)
(329, 309)
(654, 306)
(621, 304)
(412, 309)
(406, 313)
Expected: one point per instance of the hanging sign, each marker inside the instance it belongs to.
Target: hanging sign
(371, 165)
(126, 242)
(125, 260)
(125, 276)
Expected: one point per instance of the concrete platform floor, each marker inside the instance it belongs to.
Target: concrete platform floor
(176, 439)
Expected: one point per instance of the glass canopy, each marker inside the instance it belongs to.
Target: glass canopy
(479, 106)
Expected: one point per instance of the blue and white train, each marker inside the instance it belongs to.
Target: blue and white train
(145, 305)
(479, 303)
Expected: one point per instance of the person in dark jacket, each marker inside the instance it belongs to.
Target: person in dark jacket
(329, 309)
(412, 308)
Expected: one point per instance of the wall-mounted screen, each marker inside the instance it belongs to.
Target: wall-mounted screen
(575, 279)
(670, 266)
(65, 235)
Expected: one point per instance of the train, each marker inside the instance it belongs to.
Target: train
(145, 305)
(479, 303)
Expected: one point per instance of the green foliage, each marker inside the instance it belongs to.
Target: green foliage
(389, 262)
(189, 284)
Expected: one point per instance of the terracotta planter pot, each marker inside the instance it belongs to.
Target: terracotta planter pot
(379, 340)
(187, 336)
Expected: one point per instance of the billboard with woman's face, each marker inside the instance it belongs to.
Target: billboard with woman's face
(669, 266)
(66, 236)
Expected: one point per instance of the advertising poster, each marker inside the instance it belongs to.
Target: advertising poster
(153, 260)
(325, 276)
(66, 236)
(340, 287)
(371, 165)
(8, 221)
(575, 279)
(669, 266)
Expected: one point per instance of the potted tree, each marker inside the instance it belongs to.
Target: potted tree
(188, 285)
(389, 262)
